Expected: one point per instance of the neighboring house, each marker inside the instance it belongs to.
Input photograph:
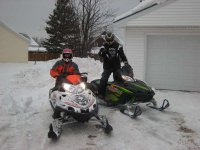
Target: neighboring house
(13, 47)
(33, 45)
(98, 41)
(162, 42)
(36, 52)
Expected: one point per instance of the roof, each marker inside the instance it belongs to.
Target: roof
(30, 39)
(33, 45)
(12, 31)
(144, 5)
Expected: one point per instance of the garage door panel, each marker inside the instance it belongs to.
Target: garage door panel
(173, 62)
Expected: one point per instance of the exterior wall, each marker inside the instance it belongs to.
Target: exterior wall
(170, 13)
(13, 48)
(136, 44)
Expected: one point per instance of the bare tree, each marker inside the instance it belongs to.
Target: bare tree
(93, 17)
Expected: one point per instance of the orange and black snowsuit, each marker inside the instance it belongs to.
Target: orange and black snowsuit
(62, 67)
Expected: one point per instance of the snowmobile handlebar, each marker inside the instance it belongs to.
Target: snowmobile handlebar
(84, 73)
(67, 73)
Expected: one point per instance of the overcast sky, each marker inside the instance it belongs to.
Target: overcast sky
(28, 16)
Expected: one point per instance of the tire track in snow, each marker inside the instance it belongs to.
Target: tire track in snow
(187, 134)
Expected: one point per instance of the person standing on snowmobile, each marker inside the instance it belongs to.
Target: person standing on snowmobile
(64, 67)
(111, 52)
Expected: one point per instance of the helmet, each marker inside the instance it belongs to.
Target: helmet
(67, 55)
(109, 37)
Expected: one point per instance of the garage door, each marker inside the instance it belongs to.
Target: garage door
(173, 62)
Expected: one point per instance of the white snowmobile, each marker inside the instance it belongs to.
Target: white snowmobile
(72, 101)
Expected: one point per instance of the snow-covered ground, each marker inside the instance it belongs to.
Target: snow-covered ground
(25, 115)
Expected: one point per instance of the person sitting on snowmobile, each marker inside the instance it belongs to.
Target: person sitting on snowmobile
(111, 52)
(64, 67)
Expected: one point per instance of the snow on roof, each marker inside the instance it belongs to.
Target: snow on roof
(36, 49)
(141, 6)
(30, 39)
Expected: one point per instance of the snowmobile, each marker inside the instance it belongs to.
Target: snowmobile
(72, 101)
(127, 94)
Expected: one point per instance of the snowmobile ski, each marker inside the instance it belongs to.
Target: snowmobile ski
(131, 111)
(104, 123)
(165, 105)
(55, 129)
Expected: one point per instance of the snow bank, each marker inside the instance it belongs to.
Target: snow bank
(25, 115)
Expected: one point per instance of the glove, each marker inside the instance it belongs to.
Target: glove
(126, 63)
(102, 52)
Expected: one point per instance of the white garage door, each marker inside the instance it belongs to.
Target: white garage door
(173, 62)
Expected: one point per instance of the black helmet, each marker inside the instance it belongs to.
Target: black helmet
(109, 37)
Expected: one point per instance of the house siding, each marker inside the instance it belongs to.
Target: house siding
(171, 13)
(136, 44)
(12, 47)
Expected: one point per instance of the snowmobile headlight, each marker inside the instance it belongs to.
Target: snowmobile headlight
(127, 78)
(68, 87)
(81, 87)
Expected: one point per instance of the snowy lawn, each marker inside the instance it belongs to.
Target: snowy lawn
(25, 115)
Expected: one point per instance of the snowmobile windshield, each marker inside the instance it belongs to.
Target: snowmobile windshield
(74, 79)
(127, 78)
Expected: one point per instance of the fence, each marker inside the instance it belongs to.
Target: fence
(42, 56)
(45, 56)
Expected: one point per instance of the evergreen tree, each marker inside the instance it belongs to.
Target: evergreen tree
(62, 28)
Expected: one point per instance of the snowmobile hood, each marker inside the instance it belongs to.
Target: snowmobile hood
(138, 87)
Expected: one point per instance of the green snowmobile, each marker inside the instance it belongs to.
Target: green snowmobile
(128, 94)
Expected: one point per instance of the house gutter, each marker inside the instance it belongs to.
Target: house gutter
(136, 12)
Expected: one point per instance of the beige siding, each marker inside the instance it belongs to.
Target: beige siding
(136, 44)
(12, 47)
(172, 13)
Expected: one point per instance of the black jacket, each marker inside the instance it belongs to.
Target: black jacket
(112, 55)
